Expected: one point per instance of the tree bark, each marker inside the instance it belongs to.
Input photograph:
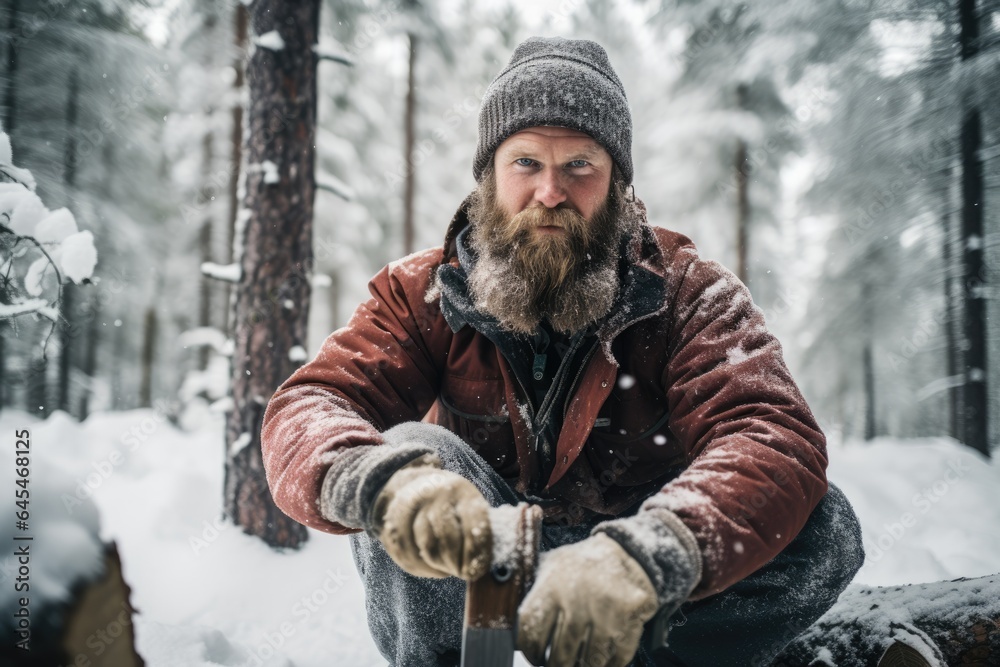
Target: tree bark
(951, 342)
(976, 432)
(272, 297)
(90, 356)
(68, 326)
(868, 364)
(10, 93)
(205, 296)
(334, 301)
(409, 141)
(147, 359)
(67, 333)
(9, 107)
(115, 374)
(241, 19)
(36, 391)
(742, 195)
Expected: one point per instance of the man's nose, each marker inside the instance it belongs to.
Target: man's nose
(550, 191)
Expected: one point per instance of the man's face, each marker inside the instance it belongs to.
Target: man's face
(547, 229)
(551, 167)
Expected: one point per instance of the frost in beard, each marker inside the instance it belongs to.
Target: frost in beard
(588, 300)
(498, 288)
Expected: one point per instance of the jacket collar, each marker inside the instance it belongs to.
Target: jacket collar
(641, 295)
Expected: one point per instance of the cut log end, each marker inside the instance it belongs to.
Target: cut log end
(900, 655)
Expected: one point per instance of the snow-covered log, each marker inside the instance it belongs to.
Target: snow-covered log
(945, 622)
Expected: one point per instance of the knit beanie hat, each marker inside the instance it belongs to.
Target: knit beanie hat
(556, 81)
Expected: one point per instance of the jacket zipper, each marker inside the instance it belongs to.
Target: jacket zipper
(569, 356)
(553, 391)
(527, 400)
(579, 374)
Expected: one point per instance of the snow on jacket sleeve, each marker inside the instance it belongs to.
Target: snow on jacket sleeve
(372, 374)
(757, 457)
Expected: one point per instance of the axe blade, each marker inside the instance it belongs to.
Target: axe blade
(487, 647)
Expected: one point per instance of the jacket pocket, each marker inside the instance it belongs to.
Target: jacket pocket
(476, 411)
(636, 446)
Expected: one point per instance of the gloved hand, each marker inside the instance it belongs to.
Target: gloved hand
(433, 522)
(589, 601)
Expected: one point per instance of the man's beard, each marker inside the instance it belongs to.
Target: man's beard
(523, 276)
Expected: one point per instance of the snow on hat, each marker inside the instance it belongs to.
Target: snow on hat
(556, 81)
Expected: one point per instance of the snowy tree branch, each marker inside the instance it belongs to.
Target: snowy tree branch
(326, 53)
(228, 273)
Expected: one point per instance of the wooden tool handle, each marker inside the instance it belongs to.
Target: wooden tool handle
(492, 600)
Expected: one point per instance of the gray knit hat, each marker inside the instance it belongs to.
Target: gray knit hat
(556, 81)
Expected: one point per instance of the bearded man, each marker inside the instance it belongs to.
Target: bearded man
(561, 351)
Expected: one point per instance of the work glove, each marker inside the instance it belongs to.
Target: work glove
(588, 604)
(433, 522)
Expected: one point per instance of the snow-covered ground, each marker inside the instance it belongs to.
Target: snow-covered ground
(210, 595)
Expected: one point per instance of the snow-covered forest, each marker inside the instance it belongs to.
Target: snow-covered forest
(843, 158)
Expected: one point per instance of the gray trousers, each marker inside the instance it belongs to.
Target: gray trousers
(417, 621)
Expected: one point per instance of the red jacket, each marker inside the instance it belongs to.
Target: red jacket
(687, 397)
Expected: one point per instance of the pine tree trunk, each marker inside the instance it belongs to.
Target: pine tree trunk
(36, 392)
(272, 298)
(950, 316)
(3, 364)
(10, 93)
(90, 357)
(205, 197)
(742, 196)
(67, 329)
(67, 308)
(205, 296)
(115, 374)
(409, 141)
(9, 107)
(976, 433)
(241, 19)
(869, 378)
(334, 301)
(146, 361)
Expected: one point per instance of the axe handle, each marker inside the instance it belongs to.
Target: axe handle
(491, 601)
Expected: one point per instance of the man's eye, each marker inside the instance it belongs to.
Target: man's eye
(524, 161)
(577, 163)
